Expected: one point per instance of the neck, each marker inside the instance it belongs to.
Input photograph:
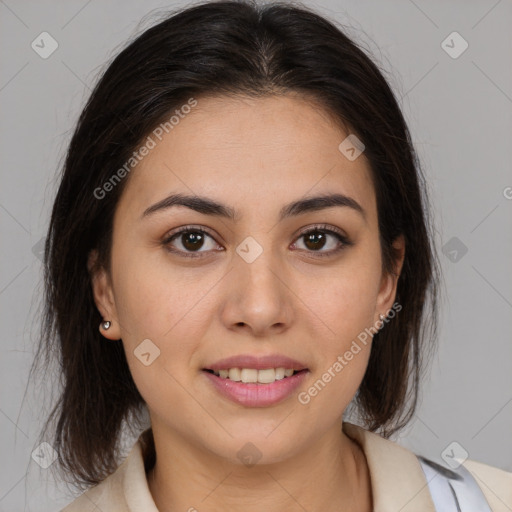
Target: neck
(330, 475)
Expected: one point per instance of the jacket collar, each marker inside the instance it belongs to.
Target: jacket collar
(397, 480)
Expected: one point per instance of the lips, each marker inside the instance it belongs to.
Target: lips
(257, 362)
(256, 394)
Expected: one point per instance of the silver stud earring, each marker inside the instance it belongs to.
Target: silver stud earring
(382, 317)
(106, 325)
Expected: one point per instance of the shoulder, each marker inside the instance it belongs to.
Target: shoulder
(96, 498)
(108, 494)
(496, 484)
(399, 481)
(100, 497)
(124, 490)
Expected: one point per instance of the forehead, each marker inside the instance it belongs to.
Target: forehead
(252, 152)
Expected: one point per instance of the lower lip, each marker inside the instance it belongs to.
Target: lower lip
(257, 395)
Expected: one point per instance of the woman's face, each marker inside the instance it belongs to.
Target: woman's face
(253, 285)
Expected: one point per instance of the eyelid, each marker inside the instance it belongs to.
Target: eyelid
(321, 227)
(188, 227)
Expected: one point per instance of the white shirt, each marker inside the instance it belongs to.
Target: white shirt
(397, 481)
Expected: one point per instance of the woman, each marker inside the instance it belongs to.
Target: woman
(243, 215)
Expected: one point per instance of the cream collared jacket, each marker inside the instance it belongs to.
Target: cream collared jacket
(397, 480)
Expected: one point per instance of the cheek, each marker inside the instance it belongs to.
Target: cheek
(169, 310)
(334, 384)
(153, 299)
(159, 345)
(343, 302)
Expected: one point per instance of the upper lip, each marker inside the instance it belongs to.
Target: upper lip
(257, 362)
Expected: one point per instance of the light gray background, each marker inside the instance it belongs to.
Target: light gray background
(459, 112)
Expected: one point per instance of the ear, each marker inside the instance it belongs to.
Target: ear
(389, 282)
(103, 296)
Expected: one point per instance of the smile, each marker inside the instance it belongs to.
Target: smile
(255, 388)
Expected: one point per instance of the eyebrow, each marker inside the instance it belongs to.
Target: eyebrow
(208, 206)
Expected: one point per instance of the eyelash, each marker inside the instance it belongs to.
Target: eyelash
(321, 228)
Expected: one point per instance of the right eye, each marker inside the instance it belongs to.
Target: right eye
(190, 238)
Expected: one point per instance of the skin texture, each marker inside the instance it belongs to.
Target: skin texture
(254, 155)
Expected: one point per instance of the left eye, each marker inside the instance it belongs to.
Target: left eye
(316, 239)
(193, 239)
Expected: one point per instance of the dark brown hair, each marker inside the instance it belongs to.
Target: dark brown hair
(224, 48)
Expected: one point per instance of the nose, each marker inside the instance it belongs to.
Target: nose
(258, 298)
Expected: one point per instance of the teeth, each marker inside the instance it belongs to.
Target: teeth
(250, 375)
(280, 373)
(234, 374)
